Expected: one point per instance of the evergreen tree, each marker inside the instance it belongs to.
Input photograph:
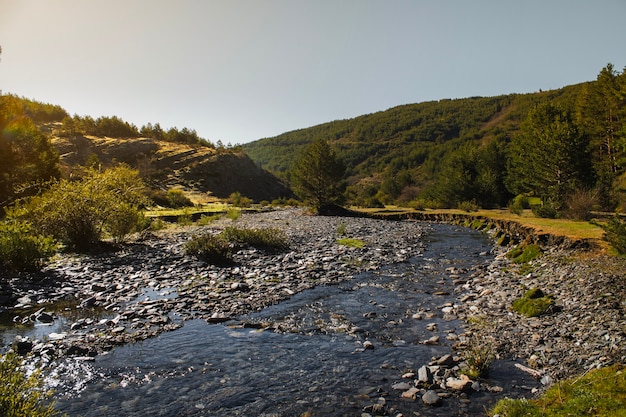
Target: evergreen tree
(548, 157)
(317, 176)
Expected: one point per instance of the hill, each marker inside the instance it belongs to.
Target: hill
(201, 171)
(400, 153)
(39, 142)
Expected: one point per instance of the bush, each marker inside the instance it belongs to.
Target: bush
(533, 304)
(468, 206)
(615, 234)
(177, 199)
(581, 203)
(239, 200)
(544, 211)
(21, 249)
(479, 356)
(210, 248)
(271, 238)
(233, 214)
(22, 395)
(78, 213)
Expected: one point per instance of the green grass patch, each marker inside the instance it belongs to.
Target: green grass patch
(533, 304)
(524, 253)
(351, 243)
(600, 393)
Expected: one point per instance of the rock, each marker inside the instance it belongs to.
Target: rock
(410, 394)
(367, 345)
(458, 384)
(424, 375)
(45, 318)
(431, 397)
(401, 386)
(432, 341)
(446, 361)
(23, 345)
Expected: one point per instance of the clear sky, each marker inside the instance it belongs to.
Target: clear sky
(240, 70)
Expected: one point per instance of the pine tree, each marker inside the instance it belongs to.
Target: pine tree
(317, 176)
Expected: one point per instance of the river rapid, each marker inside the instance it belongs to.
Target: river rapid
(351, 338)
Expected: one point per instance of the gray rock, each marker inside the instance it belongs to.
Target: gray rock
(424, 375)
(431, 397)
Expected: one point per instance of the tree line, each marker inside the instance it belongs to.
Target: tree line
(552, 148)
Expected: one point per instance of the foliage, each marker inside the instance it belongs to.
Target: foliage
(21, 248)
(22, 395)
(598, 393)
(233, 214)
(79, 213)
(580, 204)
(27, 157)
(317, 175)
(615, 234)
(549, 156)
(177, 198)
(239, 200)
(533, 303)
(479, 355)
(210, 248)
(270, 238)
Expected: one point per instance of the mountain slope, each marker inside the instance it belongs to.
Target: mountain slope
(199, 170)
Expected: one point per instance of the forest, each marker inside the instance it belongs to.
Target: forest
(560, 148)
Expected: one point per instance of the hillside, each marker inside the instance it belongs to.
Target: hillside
(203, 172)
(404, 149)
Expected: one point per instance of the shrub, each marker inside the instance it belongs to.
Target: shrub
(78, 213)
(479, 356)
(468, 206)
(233, 214)
(22, 395)
(239, 200)
(176, 199)
(271, 238)
(533, 304)
(21, 249)
(544, 211)
(581, 203)
(615, 234)
(210, 248)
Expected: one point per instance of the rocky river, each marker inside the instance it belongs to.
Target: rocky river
(319, 328)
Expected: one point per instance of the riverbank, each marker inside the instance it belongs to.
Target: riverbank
(151, 286)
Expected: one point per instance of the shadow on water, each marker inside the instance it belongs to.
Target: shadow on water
(314, 362)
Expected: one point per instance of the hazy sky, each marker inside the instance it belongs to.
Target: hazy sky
(240, 70)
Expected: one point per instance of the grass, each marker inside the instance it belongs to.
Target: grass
(533, 304)
(351, 243)
(206, 208)
(600, 392)
(573, 229)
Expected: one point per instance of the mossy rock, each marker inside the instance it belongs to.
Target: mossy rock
(534, 303)
(524, 253)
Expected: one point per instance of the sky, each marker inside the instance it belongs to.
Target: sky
(241, 70)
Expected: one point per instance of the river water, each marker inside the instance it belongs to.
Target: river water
(316, 363)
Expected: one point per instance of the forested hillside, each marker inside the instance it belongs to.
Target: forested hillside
(447, 152)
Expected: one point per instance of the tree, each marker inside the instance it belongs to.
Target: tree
(548, 157)
(317, 176)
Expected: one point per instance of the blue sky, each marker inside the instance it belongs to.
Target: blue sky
(241, 70)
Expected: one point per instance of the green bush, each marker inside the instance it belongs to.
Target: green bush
(21, 249)
(22, 395)
(615, 234)
(544, 211)
(271, 238)
(239, 200)
(533, 304)
(80, 213)
(177, 198)
(233, 214)
(210, 248)
(468, 206)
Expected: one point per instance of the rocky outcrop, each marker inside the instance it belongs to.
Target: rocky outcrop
(197, 169)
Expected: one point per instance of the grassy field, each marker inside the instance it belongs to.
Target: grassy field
(561, 227)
